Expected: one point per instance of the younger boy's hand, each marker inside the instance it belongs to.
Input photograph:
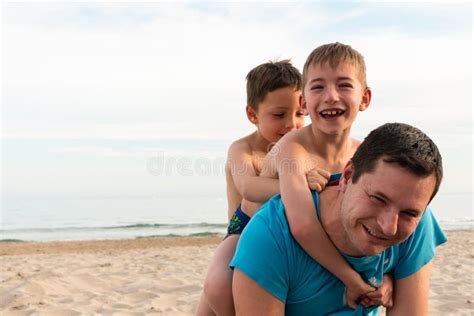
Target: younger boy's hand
(318, 179)
(382, 296)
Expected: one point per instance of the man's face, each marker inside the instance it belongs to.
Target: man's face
(383, 208)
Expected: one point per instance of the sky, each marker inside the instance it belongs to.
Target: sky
(103, 99)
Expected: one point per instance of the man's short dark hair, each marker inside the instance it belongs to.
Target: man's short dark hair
(268, 77)
(402, 144)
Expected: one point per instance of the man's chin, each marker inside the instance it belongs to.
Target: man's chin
(372, 250)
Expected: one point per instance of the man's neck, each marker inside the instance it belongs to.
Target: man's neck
(330, 218)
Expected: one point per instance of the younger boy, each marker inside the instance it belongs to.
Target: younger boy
(273, 93)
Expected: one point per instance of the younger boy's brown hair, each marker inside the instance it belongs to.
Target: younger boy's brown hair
(334, 54)
(268, 77)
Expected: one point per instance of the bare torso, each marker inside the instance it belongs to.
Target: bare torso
(249, 147)
(318, 154)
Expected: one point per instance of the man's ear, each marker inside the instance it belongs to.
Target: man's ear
(251, 114)
(366, 97)
(303, 106)
(346, 176)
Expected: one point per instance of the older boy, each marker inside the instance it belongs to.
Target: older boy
(334, 91)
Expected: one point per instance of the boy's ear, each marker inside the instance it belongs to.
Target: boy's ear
(366, 97)
(251, 114)
(346, 176)
(303, 106)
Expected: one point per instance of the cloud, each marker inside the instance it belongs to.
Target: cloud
(103, 70)
(175, 74)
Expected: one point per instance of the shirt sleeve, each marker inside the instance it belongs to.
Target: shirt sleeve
(261, 256)
(419, 248)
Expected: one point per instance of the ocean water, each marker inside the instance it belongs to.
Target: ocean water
(111, 218)
(120, 218)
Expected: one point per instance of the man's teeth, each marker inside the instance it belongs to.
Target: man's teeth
(371, 232)
(332, 112)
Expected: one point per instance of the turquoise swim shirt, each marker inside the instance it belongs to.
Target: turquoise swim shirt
(268, 254)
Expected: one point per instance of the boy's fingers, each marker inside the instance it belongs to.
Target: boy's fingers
(365, 302)
(375, 295)
(320, 173)
(389, 303)
(352, 304)
(324, 173)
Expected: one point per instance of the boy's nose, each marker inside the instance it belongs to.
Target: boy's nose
(388, 222)
(331, 96)
(291, 123)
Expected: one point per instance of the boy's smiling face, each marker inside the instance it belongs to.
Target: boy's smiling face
(333, 96)
(279, 113)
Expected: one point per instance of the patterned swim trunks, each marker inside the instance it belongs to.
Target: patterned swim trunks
(237, 223)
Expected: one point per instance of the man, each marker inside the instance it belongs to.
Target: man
(375, 217)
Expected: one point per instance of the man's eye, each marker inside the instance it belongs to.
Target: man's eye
(410, 214)
(377, 199)
(299, 113)
(317, 87)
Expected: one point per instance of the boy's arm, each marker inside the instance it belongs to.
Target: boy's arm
(382, 296)
(411, 293)
(250, 186)
(303, 222)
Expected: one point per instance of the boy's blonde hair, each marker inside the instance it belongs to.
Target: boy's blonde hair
(268, 77)
(334, 54)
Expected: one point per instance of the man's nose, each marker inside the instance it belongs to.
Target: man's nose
(388, 222)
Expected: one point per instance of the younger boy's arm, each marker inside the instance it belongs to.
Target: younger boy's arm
(250, 186)
(303, 222)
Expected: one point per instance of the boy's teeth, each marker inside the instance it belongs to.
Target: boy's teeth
(333, 112)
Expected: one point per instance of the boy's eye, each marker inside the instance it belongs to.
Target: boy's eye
(278, 114)
(345, 85)
(299, 113)
(317, 87)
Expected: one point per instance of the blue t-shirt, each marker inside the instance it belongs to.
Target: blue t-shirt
(268, 254)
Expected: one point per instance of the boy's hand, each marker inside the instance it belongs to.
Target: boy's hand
(318, 179)
(382, 296)
(357, 294)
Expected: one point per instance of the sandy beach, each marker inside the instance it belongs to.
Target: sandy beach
(164, 276)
